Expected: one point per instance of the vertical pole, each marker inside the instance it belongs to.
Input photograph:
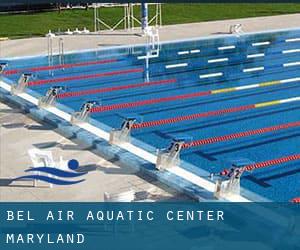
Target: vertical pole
(128, 16)
(156, 14)
(144, 9)
(124, 17)
(61, 51)
(160, 15)
(95, 17)
(50, 53)
(132, 15)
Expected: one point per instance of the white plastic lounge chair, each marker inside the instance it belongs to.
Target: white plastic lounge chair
(42, 158)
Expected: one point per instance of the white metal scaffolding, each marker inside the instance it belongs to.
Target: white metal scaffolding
(128, 21)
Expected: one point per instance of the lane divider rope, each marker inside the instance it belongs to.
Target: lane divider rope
(188, 96)
(211, 113)
(147, 102)
(65, 66)
(296, 200)
(271, 162)
(240, 135)
(80, 77)
(110, 89)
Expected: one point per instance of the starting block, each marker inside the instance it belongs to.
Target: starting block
(231, 185)
(22, 84)
(122, 135)
(84, 113)
(3, 65)
(170, 157)
(50, 97)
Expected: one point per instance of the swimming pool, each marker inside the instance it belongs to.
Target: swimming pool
(232, 99)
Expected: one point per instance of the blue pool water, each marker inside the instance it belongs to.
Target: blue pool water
(237, 61)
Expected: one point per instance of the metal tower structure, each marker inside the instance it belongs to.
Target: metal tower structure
(129, 20)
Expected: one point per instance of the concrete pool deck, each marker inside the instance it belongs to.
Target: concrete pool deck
(108, 177)
(38, 45)
(19, 133)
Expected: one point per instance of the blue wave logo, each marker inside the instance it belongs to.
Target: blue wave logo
(73, 165)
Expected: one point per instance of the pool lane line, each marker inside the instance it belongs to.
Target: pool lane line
(116, 88)
(178, 65)
(80, 77)
(188, 96)
(252, 42)
(161, 122)
(188, 52)
(54, 67)
(238, 135)
(261, 43)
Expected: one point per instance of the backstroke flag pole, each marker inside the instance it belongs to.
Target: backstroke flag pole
(144, 10)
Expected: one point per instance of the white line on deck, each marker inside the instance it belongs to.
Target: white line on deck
(292, 40)
(256, 55)
(59, 113)
(291, 64)
(5, 86)
(253, 69)
(171, 66)
(290, 51)
(218, 60)
(211, 75)
(261, 43)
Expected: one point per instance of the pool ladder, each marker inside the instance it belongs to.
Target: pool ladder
(153, 48)
(61, 53)
(50, 53)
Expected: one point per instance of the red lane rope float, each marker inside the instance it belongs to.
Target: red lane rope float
(110, 89)
(148, 102)
(271, 162)
(296, 200)
(65, 66)
(191, 117)
(240, 134)
(265, 164)
(71, 78)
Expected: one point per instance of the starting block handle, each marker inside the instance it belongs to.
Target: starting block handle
(50, 97)
(169, 157)
(22, 83)
(3, 65)
(84, 113)
(122, 135)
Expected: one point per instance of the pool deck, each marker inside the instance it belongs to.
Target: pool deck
(107, 176)
(37, 46)
(18, 133)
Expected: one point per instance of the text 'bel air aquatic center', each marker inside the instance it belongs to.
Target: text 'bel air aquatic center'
(215, 117)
